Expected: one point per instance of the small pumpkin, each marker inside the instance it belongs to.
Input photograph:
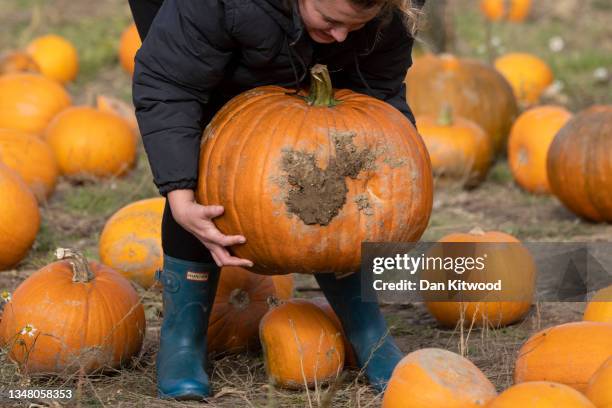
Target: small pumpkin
(130, 242)
(599, 309)
(73, 314)
(19, 218)
(90, 143)
(540, 394)
(515, 11)
(579, 164)
(109, 104)
(569, 353)
(28, 101)
(17, 61)
(528, 145)
(528, 74)
(301, 345)
(56, 57)
(433, 377)
(128, 46)
(599, 389)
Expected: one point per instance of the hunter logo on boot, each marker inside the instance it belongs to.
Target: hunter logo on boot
(197, 276)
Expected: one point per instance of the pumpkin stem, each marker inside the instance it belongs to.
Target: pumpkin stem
(239, 299)
(321, 91)
(81, 272)
(446, 115)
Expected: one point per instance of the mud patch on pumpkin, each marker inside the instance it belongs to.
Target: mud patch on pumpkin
(363, 204)
(316, 195)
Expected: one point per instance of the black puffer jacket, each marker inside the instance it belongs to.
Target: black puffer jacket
(198, 54)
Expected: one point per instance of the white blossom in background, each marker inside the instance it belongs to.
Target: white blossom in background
(29, 330)
(5, 295)
(495, 41)
(554, 89)
(601, 74)
(556, 44)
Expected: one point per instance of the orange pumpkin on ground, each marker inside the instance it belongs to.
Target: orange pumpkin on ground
(458, 148)
(17, 61)
(434, 377)
(540, 394)
(511, 10)
(599, 308)
(130, 242)
(32, 158)
(504, 258)
(528, 145)
(599, 389)
(19, 218)
(56, 57)
(332, 170)
(128, 46)
(569, 354)
(90, 143)
(28, 102)
(528, 75)
(72, 314)
(579, 164)
(474, 90)
(301, 345)
(126, 111)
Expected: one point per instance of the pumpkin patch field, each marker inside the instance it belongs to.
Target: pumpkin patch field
(513, 145)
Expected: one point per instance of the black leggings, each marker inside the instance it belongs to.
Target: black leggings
(180, 243)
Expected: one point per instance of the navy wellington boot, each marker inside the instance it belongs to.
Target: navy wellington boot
(189, 292)
(364, 326)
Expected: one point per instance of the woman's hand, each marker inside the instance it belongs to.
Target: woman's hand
(197, 219)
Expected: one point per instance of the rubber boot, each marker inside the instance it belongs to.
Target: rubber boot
(189, 292)
(364, 326)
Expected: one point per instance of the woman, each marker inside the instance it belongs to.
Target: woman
(197, 55)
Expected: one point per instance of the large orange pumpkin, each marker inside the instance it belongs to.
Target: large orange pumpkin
(17, 61)
(599, 389)
(19, 218)
(528, 144)
(458, 148)
(505, 259)
(540, 394)
(130, 242)
(579, 164)
(599, 308)
(569, 354)
(56, 57)
(73, 314)
(474, 90)
(529, 75)
(433, 377)
(511, 10)
(28, 102)
(128, 46)
(301, 345)
(331, 170)
(88, 143)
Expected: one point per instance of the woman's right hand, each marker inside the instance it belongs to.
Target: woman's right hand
(197, 219)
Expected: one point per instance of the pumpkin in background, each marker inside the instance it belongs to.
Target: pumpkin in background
(19, 218)
(433, 377)
(28, 102)
(90, 143)
(599, 389)
(528, 75)
(17, 61)
(240, 303)
(579, 164)
(541, 394)
(511, 10)
(528, 144)
(474, 90)
(505, 259)
(118, 107)
(458, 148)
(320, 189)
(32, 158)
(301, 345)
(284, 286)
(128, 45)
(73, 313)
(599, 309)
(569, 354)
(56, 57)
(130, 242)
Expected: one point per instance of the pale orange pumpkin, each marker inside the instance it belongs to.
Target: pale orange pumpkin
(599, 389)
(528, 145)
(569, 353)
(504, 258)
(511, 10)
(528, 74)
(109, 104)
(87, 143)
(599, 308)
(434, 377)
(284, 285)
(330, 173)
(541, 394)
(301, 345)
(128, 46)
(73, 314)
(28, 102)
(19, 218)
(56, 57)
(130, 242)
(17, 61)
